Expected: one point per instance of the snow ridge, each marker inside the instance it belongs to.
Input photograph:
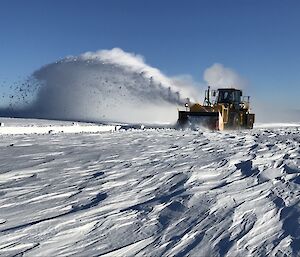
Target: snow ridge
(151, 193)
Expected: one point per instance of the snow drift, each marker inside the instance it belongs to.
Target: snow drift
(151, 193)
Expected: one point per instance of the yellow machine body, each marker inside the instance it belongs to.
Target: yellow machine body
(226, 111)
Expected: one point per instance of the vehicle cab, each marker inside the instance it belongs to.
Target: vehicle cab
(229, 95)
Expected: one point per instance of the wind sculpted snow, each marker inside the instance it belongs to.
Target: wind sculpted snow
(151, 193)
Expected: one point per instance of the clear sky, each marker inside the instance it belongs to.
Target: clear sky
(260, 39)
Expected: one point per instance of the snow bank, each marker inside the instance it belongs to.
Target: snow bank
(32, 126)
(55, 129)
(276, 125)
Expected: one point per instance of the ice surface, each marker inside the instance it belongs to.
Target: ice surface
(152, 192)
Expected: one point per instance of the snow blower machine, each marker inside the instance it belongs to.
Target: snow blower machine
(225, 108)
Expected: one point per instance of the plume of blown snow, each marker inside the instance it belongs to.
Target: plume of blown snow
(193, 87)
(219, 76)
(105, 86)
(136, 63)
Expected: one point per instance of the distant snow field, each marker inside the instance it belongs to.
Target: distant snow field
(89, 190)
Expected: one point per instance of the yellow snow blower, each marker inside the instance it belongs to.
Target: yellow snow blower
(225, 108)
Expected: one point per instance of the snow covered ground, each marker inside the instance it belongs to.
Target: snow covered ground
(149, 192)
(10, 126)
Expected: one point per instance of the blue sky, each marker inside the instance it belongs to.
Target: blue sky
(260, 39)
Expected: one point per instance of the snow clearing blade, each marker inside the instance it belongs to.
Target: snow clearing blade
(208, 120)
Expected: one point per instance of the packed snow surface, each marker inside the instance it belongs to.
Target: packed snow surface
(153, 192)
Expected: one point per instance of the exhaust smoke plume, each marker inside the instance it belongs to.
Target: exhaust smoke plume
(106, 86)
